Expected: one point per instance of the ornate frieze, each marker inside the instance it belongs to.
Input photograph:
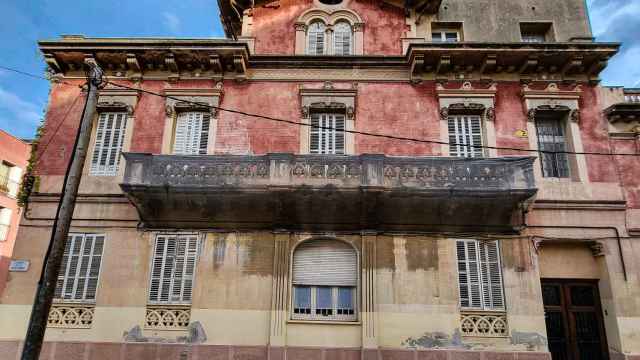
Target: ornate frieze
(167, 317)
(70, 316)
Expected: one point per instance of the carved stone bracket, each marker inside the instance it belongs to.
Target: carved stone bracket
(597, 247)
(490, 114)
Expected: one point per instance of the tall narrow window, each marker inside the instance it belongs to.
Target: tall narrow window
(5, 223)
(192, 133)
(327, 133)
(465, 136)
(109, 139)
(325, 274)
(173, 269)
(80, 270)
(480, 275)
(316, 39)
(5, 169)
(551, 138)
(342, 39)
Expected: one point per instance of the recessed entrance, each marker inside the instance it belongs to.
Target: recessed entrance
(573, 315)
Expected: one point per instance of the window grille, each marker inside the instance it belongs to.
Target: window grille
(173, 269)
(551, 137)
(465, 135)
(316, 39)
(480, 275)
(109, 140)
(80, 270)
(342, 39)
(327, 134)
(324, 281)
(192, 133)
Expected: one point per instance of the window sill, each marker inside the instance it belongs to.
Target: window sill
(324, 322)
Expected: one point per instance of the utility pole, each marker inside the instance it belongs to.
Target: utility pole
(62, 222)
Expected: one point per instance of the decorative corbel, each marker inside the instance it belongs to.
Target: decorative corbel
(51, 61)
(444, 113)
(135, 70)
(304, 112)
(574, 115)
(350, 112)
(444, 64)
(172, 65)
(489, 114)
(531, 115)
(169, 110)
(357, 27)
(300, 26)
(597, 249)
(240, 67)
(328, 85)
(537, 244)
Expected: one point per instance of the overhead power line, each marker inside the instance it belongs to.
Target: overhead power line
(357, 132)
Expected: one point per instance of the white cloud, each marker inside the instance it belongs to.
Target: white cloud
(171, 21)
(22, 111)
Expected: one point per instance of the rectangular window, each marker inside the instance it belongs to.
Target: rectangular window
(327, 134)
(109, 140)
(445, 36)
(80, 270)
(5, 222)
(480, 275)
(192, 133)
(173, 269)
(324, 302)
(536, 32)
(465, 136)
(551, 137)
(4, 176)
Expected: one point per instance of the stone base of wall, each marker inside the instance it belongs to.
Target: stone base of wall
(10, 350)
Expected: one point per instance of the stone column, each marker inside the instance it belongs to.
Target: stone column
(369, 303)
(279, 297)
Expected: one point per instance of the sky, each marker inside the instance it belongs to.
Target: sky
(23, 99)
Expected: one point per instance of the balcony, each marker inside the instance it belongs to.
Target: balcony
(329, 192)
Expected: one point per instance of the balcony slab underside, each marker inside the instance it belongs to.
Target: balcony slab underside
(329, 193)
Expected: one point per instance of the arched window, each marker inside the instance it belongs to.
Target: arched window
(342, 39)
(316, 38)
(325, 276)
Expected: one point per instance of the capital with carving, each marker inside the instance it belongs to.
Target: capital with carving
(489, 114)
(444, 113)
(168, 109)
(575, 116)
(304, 112)
(357, 27)
(350, 113)
(531, 115)
(300, 26)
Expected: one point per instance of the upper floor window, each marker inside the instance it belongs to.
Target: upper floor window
(5, 223)
(465, 136)
(536, 32)
(551, 137)
(78, 277)
(326, 135)
(446, 32)
(192, 133)
(342, 39)
(110, 133)
(316, 39)
(173, 269)
(480, 275)
(634, 98)
(325, 274)
(10, 177)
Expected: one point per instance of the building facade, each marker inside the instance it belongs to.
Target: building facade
(355, 179)
(14, 155)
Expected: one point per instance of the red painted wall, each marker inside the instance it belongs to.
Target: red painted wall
(16, 152)
(273, 26)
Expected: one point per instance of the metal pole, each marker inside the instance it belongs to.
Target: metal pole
(53, 258)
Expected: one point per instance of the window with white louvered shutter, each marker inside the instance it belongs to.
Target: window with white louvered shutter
(110, 133)
(342, 43)
(173, 269)
(316, 39)
(465, 135)
(325, 276)
(480, 275)
(326, 135)
(192, 133)
(80, 269)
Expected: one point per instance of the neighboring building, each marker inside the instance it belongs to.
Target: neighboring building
(237, 237)
(14, 155)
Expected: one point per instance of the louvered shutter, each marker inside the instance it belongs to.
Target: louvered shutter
(327, 135)
(342, 39)
(80, 269)
(492, 292)
(465, 133)
(110, 133)
(468, 274)
(192, 133)
(173, 269)
(325, 263)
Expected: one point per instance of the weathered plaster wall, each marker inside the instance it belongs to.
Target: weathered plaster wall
(273, 26)
(500, 19)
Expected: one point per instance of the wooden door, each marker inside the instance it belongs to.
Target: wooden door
(573, 315)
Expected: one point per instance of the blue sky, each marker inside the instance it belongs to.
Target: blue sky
(22, 99)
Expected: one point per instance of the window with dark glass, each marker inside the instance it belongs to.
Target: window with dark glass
(552, 144)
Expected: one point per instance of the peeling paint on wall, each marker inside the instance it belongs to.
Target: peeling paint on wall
(532, 340)
(431, 340)
(196, 335)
